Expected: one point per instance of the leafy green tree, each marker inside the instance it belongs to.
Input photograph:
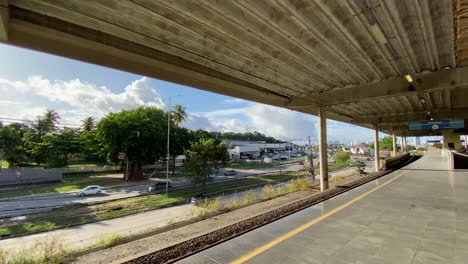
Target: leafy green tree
(342, 157)
(60, 146)
(87, 124)
(89, 145)
(203, 158)
(140, 133)
(32, 139)
(199, 134)
(11, 145)
(385, 143)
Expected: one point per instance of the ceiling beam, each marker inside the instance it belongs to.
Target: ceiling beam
(302, 103)
(413, 116)
(438, 80)
(4, 18)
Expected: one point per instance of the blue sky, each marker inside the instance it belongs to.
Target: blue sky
(31, 82)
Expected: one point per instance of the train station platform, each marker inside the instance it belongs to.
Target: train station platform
(418, 214)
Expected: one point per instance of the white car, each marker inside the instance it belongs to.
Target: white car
(93, 189)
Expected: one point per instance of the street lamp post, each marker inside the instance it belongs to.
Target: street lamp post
(168, 137)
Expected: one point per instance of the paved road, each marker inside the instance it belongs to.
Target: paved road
(84, 234)
(22, 205)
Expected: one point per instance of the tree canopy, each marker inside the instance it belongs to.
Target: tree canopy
(203, 158)
(140, 133)
(385, 143)
(11, 145)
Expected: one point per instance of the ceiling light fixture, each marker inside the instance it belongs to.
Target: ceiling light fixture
(408, 78)
(422, 100)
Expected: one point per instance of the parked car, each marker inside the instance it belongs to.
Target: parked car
(89, 190)
(199, 198)
(159, 186)
(300, 163)
(230, 173)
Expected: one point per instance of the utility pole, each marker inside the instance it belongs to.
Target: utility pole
(168, 137)
(312, 169)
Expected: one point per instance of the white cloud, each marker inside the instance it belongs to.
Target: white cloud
(87, 96)
(195, 122)
(224, 112)
(268, 120)
(10, 103)
(281, 123)
(75, 99)
(235, 101)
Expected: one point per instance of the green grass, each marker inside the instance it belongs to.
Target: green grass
(77, 164)
(4, 164)
(248, 165)
(75, 214)
(108, 241)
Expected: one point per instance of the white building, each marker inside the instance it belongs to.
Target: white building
(253, 149)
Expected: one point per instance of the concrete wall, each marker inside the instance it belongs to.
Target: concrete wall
(91, 169)
(29, 175)
(451, 137)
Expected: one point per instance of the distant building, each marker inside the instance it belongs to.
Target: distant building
(360, 149)
(254, 149)
(418, 142)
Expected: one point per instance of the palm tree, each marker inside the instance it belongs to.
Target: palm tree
(87, 124)
(178, 114)
(52, 117)
(47, 123)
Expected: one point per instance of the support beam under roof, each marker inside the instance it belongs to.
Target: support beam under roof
(4, 18)
(439, 80)
(459, 113)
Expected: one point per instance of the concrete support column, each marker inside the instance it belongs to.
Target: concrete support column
(466, 143)
(376, 148)
(404, 144)
(403, 150)
(4, 18)
(323, 148)
(394, 145)
(452, 138)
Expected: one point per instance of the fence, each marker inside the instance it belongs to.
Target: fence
(26, 175)
(91, 169)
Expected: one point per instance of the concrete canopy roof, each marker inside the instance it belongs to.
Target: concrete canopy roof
(349, 56)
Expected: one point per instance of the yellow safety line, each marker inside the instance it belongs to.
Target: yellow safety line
(309, 224)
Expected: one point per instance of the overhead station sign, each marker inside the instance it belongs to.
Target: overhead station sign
(436, 125)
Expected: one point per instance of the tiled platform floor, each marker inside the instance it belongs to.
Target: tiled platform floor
(419, 217)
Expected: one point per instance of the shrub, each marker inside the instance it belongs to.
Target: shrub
(342, 157)
(249, 197)
(108, 241)
(48, 251)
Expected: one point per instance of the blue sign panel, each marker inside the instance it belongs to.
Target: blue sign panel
(436, 125)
